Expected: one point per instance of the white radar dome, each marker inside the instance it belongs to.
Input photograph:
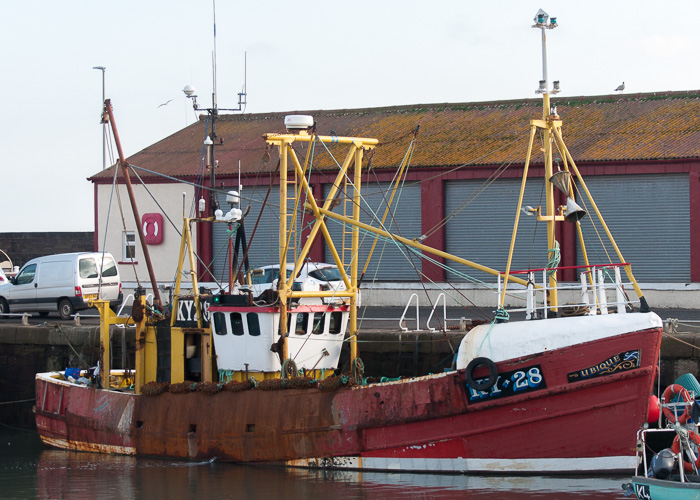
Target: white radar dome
(298, 122)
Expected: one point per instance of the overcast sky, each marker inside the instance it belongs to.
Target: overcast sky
(301, 56)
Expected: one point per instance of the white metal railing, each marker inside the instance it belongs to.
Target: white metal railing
(25, 317)
(125, 303)
(593, 295)
(402, 322)
(444, 315)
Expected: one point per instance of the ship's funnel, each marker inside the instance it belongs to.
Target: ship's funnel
(561, 180)
(573, 212)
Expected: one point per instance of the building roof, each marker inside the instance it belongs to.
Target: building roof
(635, 127)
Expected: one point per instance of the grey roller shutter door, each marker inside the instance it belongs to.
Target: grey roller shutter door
(648, 215)
(390, 261)
(481, 230)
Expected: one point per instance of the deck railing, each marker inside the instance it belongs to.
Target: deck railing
(600, 290)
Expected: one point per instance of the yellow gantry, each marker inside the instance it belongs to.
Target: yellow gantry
(357, 147)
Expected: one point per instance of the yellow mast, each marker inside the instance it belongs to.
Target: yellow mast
(548, 122)
(550, 125)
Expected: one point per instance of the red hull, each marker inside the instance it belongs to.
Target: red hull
(427, 423)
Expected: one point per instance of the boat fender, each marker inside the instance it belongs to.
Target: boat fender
(488, 383)
(676, 448)
(654, 411)
(669, 394)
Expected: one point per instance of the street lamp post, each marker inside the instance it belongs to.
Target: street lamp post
(104, 124)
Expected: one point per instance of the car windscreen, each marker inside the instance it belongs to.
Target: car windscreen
(26, 275)
(109, 268)
(87, 268)
(326, 274)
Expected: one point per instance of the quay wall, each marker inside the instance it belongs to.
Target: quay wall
(27, 350)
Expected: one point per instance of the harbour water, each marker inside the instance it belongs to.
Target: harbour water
(30, 470)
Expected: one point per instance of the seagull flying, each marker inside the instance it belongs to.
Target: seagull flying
(165, 103)
(620, 88)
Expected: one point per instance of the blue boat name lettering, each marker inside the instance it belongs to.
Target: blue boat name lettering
(509, 384)
(531, 380)
(534, 377)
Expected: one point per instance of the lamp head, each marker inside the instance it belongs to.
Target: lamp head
(541, 17)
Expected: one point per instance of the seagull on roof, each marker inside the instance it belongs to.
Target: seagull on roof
(620, 88)
(165, 103)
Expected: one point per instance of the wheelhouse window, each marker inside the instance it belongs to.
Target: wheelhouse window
(253, 324)
(129, 245)
(336, 322)
(219, 323)
(319, 320)
(302, 323)
(236, 324)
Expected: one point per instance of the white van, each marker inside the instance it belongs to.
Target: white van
(63, 283)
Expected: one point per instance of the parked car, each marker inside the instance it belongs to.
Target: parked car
(326, 275)
(3, 277)
(62, 283)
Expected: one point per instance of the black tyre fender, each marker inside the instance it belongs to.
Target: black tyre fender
(488, 383)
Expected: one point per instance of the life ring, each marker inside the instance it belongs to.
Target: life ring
(152, 228)
(488, 383)
(670, 392)
(676, 448)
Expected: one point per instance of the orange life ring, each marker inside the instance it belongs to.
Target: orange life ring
(676, 448)
(670, 392)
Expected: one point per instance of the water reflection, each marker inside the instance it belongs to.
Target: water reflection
(27, 470)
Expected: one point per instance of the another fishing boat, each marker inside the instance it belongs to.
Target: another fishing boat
(564, 390)
(672, 472)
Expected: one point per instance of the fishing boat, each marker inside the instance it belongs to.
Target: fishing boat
(671, 473)
(562, 390)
